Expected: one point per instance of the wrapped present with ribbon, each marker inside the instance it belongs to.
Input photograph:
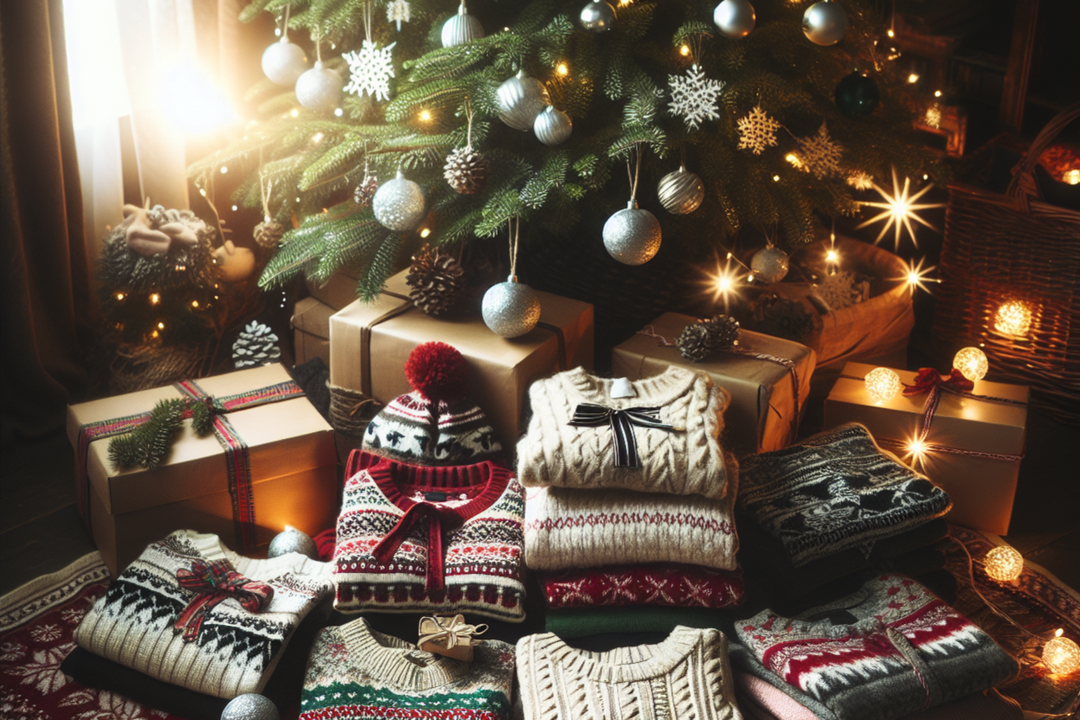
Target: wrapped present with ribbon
(449, 635)
(255, 457)
(966, 436)
(370, 343)
(768, 378)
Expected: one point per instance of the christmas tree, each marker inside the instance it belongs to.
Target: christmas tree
(779, 114)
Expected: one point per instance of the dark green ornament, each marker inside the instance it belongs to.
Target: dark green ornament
(857, 95)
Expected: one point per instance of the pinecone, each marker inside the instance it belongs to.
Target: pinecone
(268, 233)
(693, 342)
(723, 332)
(436, 281)
(365, 190)
(255, 346)
(466, 170)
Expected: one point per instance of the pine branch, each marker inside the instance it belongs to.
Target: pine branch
(149, 444)
(380, 268)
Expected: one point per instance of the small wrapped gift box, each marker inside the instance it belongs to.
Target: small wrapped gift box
(311, 330)
(370, 342)
(269, 461)
(972, 448)
(764, 411)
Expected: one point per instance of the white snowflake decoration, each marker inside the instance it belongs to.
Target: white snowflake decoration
(695, 97)
(757, 131)
(371, 70)
(397, 11)
(820, 153)
(860, 180)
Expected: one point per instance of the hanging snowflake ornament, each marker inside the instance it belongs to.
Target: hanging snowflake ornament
(860, 180)
(371, 69)
(757, 131)
(820, 153)
(694, 97)
(397, 11)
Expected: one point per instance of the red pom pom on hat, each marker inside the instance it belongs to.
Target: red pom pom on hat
(437, 371)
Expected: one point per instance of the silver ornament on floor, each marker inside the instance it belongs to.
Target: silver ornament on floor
(319, 89)
(284, 62)
(681, 192)
(250, 707)
(825, 23)
(597, 17)
(461, 28)
(552, 127)
(520, 100)
(632, 236)
(291, 540)
(735, 18)
(770, 264)
(510, 308)
(399, 204)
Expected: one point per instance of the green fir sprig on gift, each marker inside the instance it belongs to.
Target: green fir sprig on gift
(149, 444)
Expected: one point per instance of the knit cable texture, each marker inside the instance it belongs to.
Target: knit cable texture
(687, 460)
(235, 651)
(685, 677)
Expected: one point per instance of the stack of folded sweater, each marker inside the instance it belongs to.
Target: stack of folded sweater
(629, 494)
(833, 505)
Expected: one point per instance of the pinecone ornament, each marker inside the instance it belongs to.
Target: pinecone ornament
(268, 233)
(723, 332)
(466, 170)
(365, 190)
(693, 342)
(436, 281)
(256, 346)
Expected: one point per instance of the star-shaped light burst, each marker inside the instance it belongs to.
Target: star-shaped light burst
(724, 283)
(899, 210)
(916, 276)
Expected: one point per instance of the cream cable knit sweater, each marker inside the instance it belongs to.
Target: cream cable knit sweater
(685, 677)
(684, 461)
(568, 528)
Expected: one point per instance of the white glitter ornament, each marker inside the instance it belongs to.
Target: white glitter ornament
(510, 308)
(399, 204)
(284, 62)
(632, 236)
(757, 131)
(695, 98)
(825, 23)
(250, 706)
(770, 264)
(461, 28)
(520, 99)
(597, 17)
(291, 540)
(370, 70)
(735, 18)
(397, 11)
(319, 89)
(681, 191)
(552, 127)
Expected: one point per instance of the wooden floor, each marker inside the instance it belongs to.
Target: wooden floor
(40, 529)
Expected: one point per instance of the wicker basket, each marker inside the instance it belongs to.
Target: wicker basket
(1015, 248)
(141, 367)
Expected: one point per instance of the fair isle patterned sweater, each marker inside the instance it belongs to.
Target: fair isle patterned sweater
(458, 548)
(357, 672)
(685, 677)
(887, 651)
(684, 460)
(235, 650)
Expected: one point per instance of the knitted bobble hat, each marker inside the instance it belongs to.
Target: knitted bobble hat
(435, 424)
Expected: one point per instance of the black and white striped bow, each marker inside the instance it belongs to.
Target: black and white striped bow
(622, 427)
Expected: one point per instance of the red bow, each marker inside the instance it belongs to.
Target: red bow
(213, 583)
(929, 378)
(437, 516)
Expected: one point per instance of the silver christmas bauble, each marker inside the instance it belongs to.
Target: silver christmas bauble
(632, 236)
(250, 707)
(510, 308)
(825, 23)
(284, 62)
(735, 18)
(681, 192)
(291, 540)
(399, 204)
(461, 28)
(520, 99)
(770, 264)
(597, 17)
(552, 127)
(319, 89)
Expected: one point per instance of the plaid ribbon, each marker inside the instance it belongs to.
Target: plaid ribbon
(622, 424)
(236, 452)
(213, 583)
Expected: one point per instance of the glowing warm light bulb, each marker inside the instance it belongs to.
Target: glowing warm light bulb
(194, 303)
(794, 160)
(1013, 318)
(425, 232)
(120, 296)
(972, 363)
(562, 69)
(154, 334)
(1072, 177)
(913, 78)
(891, 33)
(916, 447)
(832, 256)
(295, 113)
(882, 384)
(338, 112)
(684, 50)
(316, 137)
(161, 326)
(224, 169)
(154, 298)
(937, 93)
(1003, 564)
(1061, 654)
(776, 178)
(425, 116)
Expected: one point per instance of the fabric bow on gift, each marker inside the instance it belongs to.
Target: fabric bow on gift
(449, 635)
(214, 583)
(928, 379)
(622, 427)
(438, 516)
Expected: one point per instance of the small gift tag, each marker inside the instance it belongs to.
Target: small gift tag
(621, 388)
(449, 635)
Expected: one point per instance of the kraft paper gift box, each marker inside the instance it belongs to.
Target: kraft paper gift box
(311, 330)
(979, 443)
(337, 292)
(762, 413)
(370, 342)
(291, 457)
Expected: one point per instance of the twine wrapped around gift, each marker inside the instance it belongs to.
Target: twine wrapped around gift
(351, 410)
(449, 631)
